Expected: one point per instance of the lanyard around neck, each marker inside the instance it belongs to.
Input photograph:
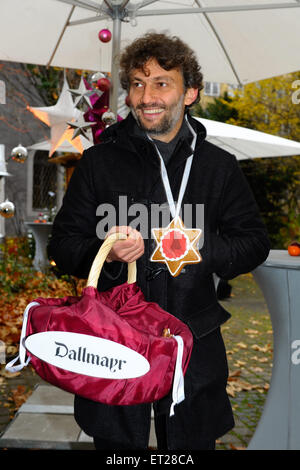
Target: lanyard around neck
(175, 208)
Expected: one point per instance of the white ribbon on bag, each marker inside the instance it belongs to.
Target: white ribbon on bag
(178, 382)
(10, 367)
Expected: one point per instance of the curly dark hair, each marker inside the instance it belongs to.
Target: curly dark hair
(169, 51)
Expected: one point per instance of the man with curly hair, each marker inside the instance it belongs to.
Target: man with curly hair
(138, 158)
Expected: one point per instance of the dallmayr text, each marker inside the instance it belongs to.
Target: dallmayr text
(82, 355)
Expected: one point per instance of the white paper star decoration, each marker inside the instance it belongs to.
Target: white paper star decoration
(57, 116)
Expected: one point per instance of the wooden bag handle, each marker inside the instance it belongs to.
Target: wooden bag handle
(101, 257)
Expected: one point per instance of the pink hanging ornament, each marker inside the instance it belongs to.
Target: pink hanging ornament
(104, 35)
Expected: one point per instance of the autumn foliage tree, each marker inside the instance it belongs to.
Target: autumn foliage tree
(271, 106)
(217, 110)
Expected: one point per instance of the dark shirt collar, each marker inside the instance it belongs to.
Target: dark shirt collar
(166, 148)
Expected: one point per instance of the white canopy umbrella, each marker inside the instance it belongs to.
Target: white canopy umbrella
(236, 41)
(247, 143)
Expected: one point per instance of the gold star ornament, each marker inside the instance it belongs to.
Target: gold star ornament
(176, 246)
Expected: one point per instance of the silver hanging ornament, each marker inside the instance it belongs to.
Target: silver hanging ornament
(19, 154)
(7, 209)
(108, 118)
(80, 127)
(94, 77)
(80, 95)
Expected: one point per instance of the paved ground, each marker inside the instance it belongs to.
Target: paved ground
(249, 342)
(248, 338)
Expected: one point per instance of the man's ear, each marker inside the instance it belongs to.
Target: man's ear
(190, 96)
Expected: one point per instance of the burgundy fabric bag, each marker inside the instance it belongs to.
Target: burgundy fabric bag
(143, 366)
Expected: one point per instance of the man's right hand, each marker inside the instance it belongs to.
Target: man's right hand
(128, 250)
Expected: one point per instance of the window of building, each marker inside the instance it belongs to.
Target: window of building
(2, 92)
(44, 181)
(233, 88)
(212, 89)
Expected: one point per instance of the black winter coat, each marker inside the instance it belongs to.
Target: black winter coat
(235, 239)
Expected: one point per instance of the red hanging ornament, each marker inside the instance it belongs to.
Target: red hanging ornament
(103, 84)
(104, 35)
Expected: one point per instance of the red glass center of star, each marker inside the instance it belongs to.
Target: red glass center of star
(174, 244)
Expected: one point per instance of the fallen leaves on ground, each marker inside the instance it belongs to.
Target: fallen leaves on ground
(12, 306)
(257, 369)
(233, 447)
(259, 359)
(264, 349)
(12, 397)
(256, 347)
(255, 322)
(239, 363)
(17, 397)
(250, 331)
(235, 384)
(8, 375)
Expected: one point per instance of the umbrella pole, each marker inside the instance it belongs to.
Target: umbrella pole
(114, 91)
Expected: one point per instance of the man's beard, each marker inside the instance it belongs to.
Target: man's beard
(167, 123)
